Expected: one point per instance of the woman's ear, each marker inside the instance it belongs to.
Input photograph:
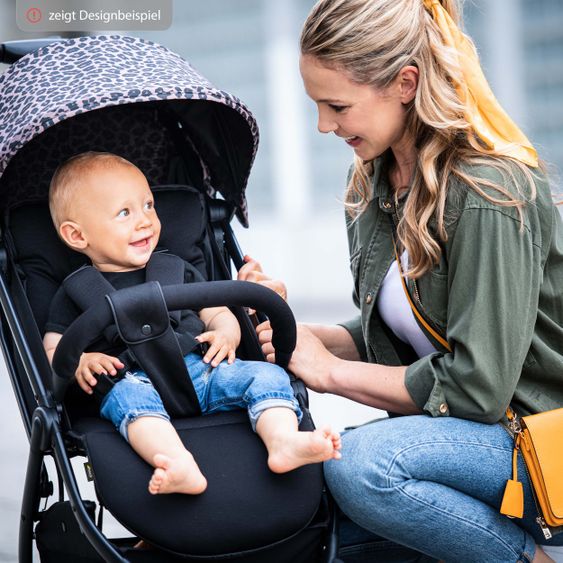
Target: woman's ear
(72, 235)
(408, 83)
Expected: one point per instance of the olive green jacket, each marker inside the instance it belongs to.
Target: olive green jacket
(496, 296)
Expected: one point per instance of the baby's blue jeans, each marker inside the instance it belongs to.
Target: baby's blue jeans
(434, 485)
(256, 386)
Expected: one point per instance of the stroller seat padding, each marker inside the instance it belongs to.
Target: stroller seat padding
(245, 506)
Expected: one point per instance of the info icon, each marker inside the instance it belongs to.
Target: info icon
(33, 15)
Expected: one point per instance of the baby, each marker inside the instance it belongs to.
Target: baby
(102, 206)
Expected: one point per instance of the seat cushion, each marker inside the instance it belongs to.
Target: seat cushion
(245, 506)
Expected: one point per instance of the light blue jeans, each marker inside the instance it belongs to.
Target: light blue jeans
(434, 485)
(256, 386)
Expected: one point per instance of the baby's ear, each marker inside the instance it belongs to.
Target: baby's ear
(72, 235)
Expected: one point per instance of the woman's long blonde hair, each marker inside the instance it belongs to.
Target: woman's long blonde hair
(372, 40)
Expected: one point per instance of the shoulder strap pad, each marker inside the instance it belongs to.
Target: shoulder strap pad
(166, 269)
(84, 287)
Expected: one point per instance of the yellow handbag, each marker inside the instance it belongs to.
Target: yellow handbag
(539, 438)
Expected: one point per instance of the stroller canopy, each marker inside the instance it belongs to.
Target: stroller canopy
(127, 95)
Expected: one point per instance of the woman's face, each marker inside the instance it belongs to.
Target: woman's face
(369, 120)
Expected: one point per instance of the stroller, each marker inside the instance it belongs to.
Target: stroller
(193, 142)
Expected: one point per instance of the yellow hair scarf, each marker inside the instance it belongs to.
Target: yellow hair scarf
(489, 121)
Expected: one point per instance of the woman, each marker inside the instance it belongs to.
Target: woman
(445, 188)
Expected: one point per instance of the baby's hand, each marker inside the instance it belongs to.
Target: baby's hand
(92, 363)
(221, 346)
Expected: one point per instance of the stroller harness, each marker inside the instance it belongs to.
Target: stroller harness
(154, 346)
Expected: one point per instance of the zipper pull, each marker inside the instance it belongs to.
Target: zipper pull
(546, 531)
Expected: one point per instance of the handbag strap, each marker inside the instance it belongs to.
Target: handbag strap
(510, 414)
(438, 337)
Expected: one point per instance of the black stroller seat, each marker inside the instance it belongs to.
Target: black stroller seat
(245, 507)
(247, 513)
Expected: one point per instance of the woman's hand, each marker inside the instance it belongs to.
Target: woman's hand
(92, 363)
(382, 387)
(252, 271)
(310, 361)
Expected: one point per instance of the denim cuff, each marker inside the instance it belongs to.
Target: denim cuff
(257, 409)
(134, 415)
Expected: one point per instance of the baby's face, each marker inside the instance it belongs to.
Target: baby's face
(115, 210)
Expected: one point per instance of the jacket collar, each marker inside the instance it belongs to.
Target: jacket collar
(380, 183)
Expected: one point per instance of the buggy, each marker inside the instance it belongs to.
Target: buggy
(196, 145)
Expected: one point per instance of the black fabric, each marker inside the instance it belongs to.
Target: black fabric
(163, 266)
(42, 258)
(71, 300)
(85, 330)
(59, 538)
(132, 319)
(145, 330)
(242, 294)
(45, 261)
(304, 547)
(245, 506)
(149, 337)
(81, 288)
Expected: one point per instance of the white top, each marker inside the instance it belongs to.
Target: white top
(396, 312)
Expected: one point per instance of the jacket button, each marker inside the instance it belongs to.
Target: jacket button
(146, 329)
(387, 204)
(443, 408)
(369, 298)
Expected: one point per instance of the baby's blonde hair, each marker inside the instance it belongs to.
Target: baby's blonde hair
(371, 41)
(68, 177)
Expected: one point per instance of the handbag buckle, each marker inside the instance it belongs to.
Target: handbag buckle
(513, 421)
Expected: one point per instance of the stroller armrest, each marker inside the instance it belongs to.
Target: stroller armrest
(88, 326)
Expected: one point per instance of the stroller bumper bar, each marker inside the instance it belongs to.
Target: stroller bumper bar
(88, 326)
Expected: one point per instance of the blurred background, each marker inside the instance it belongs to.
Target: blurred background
(250, 48)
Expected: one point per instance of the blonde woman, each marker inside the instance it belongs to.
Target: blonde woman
(447, 195)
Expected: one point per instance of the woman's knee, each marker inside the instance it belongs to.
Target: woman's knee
(359, 467)
(375, 458)
(370, 475)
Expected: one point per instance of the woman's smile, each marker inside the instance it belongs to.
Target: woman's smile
(353, 141)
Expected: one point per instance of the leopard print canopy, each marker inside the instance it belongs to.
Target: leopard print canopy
(128, 96)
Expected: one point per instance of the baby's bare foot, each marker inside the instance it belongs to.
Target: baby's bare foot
(301, 448)
(176, 475)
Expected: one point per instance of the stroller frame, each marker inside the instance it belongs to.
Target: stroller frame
(42, 413)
